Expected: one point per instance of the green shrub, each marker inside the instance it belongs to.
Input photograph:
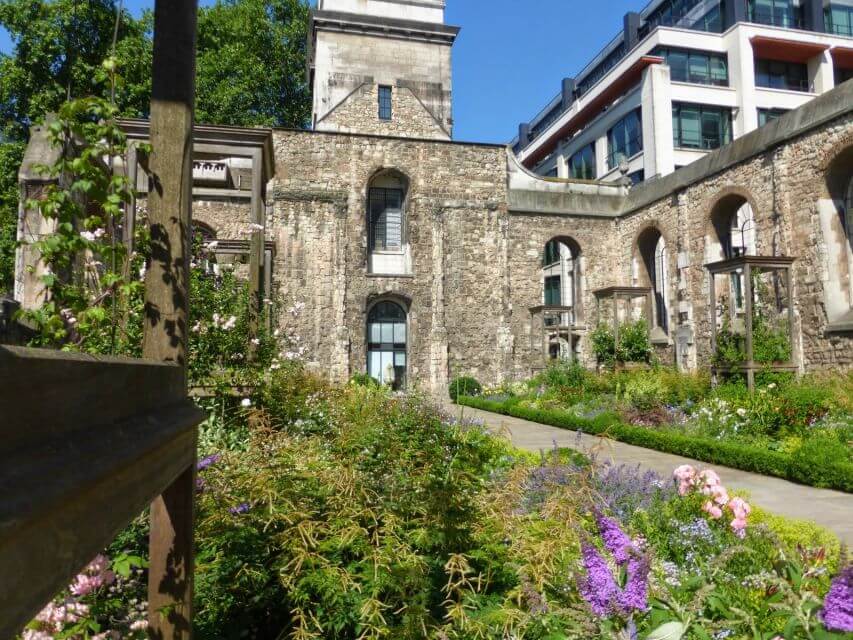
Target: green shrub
(833, 474)
(562, 374)
(634, 345)
(803, 533)
(816, 459)
(604, 345)
(464, 386)
(364, 380)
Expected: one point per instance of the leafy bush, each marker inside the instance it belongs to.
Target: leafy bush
(835, 474)
(812, 461)
(634, 345)
(364, 380)
(464, 386)
(565, 375)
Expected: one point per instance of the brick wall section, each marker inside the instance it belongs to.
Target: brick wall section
(359, 113)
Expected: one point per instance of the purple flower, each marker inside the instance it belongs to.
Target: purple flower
(838, 605)
(200, 484)
(634, 597)
(615, 540)
(598, 587)
(239, 509)
(204, 463)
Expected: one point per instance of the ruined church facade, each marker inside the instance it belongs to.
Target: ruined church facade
(416, 258)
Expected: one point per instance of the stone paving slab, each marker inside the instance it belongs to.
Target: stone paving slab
(831, 509)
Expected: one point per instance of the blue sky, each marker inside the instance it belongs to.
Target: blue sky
(511, 55)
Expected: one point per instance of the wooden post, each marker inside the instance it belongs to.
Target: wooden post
(747, 292)
(713, 305)
(256, 245)
(790, 294)
(170, 581)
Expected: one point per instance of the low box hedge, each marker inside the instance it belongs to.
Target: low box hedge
(730, 454)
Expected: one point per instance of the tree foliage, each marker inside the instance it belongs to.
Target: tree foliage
(11, 154)
(251, 63)
(58, 48)
(250, 67)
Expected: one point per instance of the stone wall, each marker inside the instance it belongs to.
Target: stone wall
(456, 218)
(359, 113)
(784, 186)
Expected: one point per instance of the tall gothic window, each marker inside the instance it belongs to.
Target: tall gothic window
(386, 219)
(654, 273)
(386, 344)
(560, 274)
(386, 213)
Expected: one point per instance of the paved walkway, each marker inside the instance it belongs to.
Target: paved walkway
(832, 509)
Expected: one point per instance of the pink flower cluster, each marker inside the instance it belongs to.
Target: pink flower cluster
(96, 575)
(53, 619)
(708, 483)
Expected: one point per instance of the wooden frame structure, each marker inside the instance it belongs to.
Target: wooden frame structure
(747, 265)
(547, 330)
(625, 294)
(254, 144)
(90, 441)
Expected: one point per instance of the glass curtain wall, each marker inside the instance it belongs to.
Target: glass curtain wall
(775, 74)
(700, 126)
(697, 67)
(625, 139)
(778, 13)
(582, 164)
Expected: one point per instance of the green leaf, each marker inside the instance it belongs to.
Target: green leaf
(669, 631)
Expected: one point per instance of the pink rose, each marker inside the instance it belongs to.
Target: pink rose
(712, 510)
(710, 478)
(719, 495)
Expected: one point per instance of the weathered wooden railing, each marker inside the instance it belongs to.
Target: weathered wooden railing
(87, 444)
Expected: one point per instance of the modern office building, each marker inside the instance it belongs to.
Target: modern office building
(683, 78)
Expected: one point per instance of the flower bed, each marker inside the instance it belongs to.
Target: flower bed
(353, 512)
(800, 431)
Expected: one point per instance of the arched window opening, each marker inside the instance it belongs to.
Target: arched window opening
(561, 296)
(386, 207)
(386, 344)
(655, 274)
(733, 221)
(836, 221)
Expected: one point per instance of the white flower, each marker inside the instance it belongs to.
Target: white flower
(772, 385)
(741, 412)
(255, 342)
(230, 323)
(246, 403)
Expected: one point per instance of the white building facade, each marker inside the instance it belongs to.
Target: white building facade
(683, 78)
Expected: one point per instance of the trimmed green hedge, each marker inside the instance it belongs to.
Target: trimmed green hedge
(730, 454)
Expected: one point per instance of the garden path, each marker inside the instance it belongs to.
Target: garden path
(831, 509)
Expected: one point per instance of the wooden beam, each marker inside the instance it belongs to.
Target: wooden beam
(82, 456)
(170, 581)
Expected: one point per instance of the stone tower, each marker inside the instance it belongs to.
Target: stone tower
(382, 67)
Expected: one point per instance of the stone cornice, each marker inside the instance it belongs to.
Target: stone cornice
(383, 27)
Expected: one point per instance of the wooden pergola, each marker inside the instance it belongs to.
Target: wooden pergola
(626, 295)
(552, 323)
(90, 441)
(746, 266)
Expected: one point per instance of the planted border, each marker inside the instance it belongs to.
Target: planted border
(729, 454)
